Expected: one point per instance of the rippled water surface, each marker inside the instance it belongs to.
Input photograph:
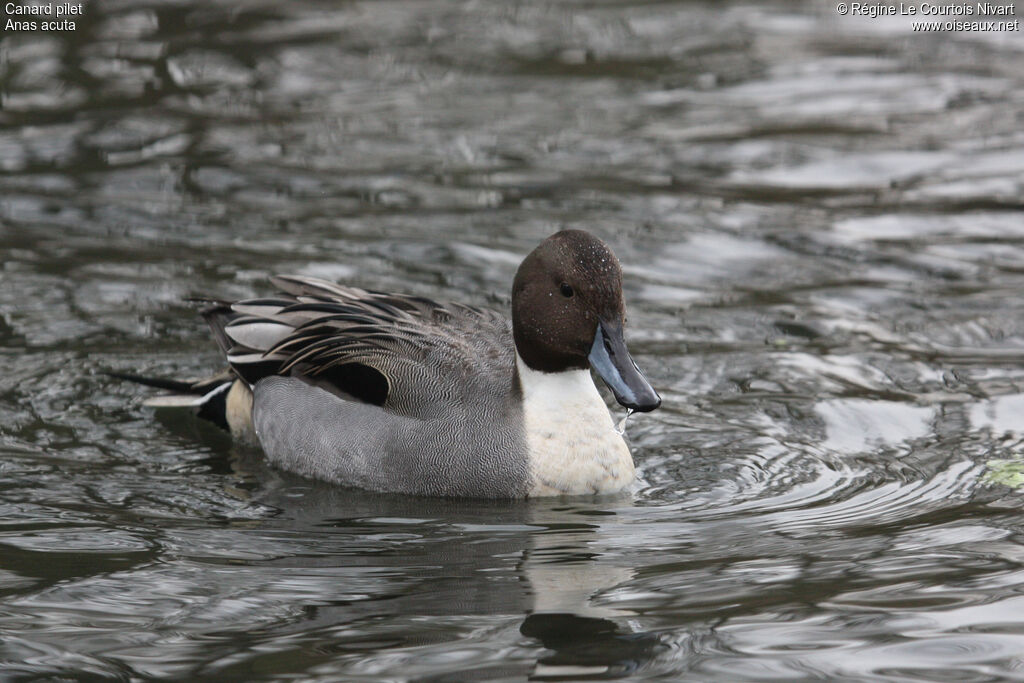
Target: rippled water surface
(820, 223)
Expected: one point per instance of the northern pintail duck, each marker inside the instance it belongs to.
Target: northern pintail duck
(399, 393)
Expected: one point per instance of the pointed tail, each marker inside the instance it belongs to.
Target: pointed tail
(208, 396)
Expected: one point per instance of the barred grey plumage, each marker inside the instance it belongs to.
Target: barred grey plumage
(449, 373)
(475, 450)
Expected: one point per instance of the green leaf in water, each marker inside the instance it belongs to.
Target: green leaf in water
(1005, 472)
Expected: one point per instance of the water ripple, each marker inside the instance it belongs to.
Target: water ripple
(818, 218)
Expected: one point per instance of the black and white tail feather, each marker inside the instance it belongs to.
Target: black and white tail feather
(207, 396)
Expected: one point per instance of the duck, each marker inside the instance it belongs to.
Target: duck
(401, 394)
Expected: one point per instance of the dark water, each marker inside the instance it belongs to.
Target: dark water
(820, 222)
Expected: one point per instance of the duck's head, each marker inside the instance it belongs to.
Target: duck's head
(568, 314)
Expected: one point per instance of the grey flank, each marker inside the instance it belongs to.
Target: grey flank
(466, 449)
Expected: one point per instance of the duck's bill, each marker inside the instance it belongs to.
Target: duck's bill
(611, 360)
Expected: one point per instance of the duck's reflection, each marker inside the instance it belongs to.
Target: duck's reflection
(583, 647)
(551, 562)
(567, 570)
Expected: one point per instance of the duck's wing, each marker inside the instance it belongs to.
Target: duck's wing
(407, 353)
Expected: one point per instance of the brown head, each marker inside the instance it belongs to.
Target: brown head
(568, 313)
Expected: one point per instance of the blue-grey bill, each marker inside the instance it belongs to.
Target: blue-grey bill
(611, 360)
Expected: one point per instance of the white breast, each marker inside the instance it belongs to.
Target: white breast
(573, 446)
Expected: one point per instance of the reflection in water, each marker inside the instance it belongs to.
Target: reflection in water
(568, 569)
(586, 647)
(557, 578)
(819, 220)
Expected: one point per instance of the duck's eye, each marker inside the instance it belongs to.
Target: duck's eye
(566, 290)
